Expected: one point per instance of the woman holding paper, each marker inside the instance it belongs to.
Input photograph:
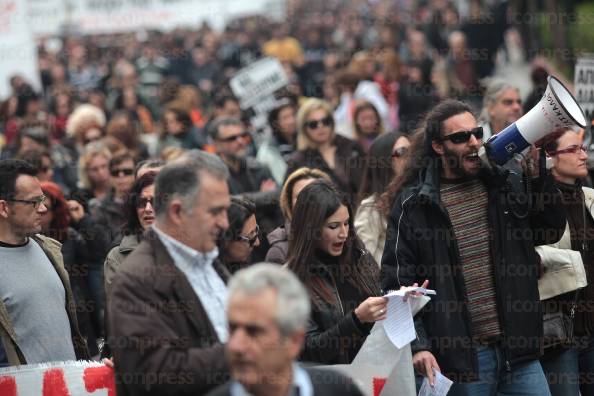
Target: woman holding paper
(341, 276)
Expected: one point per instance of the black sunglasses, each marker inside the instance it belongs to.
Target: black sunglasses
(464, 136)
(233, 138)
(250, 239)
(399, 152)
(143, 201)
(314, 124)
(119, 172)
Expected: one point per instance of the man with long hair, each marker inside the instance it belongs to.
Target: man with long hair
(471, 232)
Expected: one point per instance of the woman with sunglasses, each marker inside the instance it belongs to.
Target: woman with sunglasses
(569, 360)
(340, 275)
(321, 148)
(243, 235)
(139, 215)
(385, 160)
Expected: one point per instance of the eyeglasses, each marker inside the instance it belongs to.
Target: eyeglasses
(574, 149)
(314, 124)
(399, 152)
(143, 201)
(233, 138)
(35, 202)
(464, 136)
(250, 239)
(124, 171)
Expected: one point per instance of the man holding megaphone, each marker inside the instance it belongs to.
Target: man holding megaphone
(458, 221)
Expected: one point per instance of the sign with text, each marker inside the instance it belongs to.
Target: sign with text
(584, 85)
(255, 87)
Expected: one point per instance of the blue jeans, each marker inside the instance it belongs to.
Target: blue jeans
(571, 371)
(525, 378)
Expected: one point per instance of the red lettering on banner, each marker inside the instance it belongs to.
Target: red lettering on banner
(54, 383)
(99, 378)
(8, 386)
(378, 385)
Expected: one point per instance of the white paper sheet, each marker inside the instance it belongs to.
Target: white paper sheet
(441, 388)
(399, 324)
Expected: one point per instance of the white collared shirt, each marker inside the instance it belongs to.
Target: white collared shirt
(206, 282)
(301, 385)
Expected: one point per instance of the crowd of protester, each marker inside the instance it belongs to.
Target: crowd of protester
(138, 159)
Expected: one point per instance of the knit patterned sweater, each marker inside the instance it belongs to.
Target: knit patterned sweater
(466, 203)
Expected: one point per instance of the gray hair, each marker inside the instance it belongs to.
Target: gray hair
(181, 179)
(292, 300)
(492, 94)
(220, 122)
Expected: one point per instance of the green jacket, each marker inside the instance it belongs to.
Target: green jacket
(52, 249)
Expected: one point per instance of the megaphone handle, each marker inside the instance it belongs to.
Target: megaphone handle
(542, 163)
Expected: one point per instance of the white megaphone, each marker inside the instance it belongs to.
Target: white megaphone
(557, 109)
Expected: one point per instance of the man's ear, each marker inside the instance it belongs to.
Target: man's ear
(3, 208)
(175, 212)
(437, 147)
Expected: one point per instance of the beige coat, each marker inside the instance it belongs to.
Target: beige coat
(371, 228)
(563, 268)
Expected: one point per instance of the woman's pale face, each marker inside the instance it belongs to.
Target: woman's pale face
(239, 251)
(48, 216)
(367, 122)
(145, 210)
(98, 170)
(402, 145)
(335, 232)
(322, 133)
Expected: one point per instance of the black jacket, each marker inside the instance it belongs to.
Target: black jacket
(325, 383)
(421, 244)
(334, 334)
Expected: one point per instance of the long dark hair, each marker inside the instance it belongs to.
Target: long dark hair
(132, 225)
(422, 153)
(378, 172)
(316, 202)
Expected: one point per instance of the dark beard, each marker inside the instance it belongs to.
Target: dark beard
(455, 163)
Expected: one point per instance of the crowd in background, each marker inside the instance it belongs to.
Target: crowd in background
(115, 109)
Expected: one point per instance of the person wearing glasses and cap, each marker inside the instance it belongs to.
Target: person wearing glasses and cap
(38, 321)
(461, 225)
(243, 235)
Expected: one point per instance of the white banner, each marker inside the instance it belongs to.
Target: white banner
(110, 16)
(18, 53)
(61, 378)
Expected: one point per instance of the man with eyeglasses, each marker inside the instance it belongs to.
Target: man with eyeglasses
(231, 142)
(109, 212)
(37, 312)
(464, 228)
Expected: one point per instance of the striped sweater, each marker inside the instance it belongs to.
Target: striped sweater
(466, 203)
